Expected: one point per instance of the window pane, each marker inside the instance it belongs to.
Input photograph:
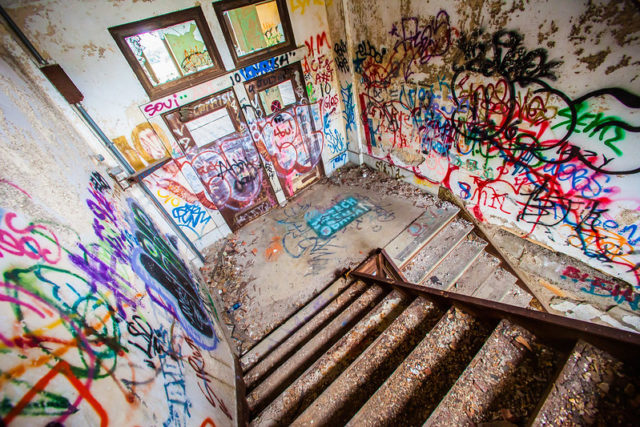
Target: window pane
(255, 27)
(170, 53)
(277, 97)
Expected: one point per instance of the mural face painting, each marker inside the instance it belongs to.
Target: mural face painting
(117, 311)
(493, 127)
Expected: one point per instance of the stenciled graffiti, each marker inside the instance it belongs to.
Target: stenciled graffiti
(326, 223)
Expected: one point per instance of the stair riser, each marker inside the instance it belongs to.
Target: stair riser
(302, 317)
(295, 341)
(308, 386)
(303, 357)
(350, 391)
(441, 356)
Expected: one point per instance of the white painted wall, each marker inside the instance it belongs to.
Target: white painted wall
(596, 43)
(85, 325)
(74, 34)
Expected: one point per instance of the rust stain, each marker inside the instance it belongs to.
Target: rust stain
(91, 49)
(624, 61)
(553, 288)
(621, 18)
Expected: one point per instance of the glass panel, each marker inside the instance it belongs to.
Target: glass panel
(170, 53)
(211, 127)
(255, 27)
(277, 97)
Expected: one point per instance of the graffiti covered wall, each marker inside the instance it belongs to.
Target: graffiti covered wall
(77, 37)
(529, 112)
(101, 320)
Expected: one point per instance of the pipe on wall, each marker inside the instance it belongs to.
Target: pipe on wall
(100, 134)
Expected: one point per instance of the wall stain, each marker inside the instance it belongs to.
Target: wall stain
(624, 61)
(622, 19)
(595, 60)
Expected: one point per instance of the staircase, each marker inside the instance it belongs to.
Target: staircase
(433, 331)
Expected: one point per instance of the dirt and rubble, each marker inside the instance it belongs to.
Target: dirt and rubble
(253, 270)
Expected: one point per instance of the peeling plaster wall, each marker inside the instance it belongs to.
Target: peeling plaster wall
(74, 34)
(101, 321)
(529, 112)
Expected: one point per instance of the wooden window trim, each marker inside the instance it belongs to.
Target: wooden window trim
(121, 32)
(252, 58)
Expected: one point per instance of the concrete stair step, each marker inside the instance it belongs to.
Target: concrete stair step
(305, 355)
(296, 397)
(339, 402)
(417, 385)
(489, 374)
(303, 334)
(581, 389)
(473, 277)
(455, 263)
(436, 250)
(496, 286)
(301, 317)
(419, 232)
(517, 296)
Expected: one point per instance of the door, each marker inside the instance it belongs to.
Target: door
(215, 139)
(286, 129)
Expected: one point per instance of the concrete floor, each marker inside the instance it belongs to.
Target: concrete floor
(269, 268)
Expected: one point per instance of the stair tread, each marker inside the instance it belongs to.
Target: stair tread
(580, 387)
(496, 286)
(517, 296)
(406, 244)
(277, 336)
(455, 264)
(272, 384)
(286, 406)
(351, 389)
(435, 250)
(303, 333)
(479, 271)
(488, 374)
(427, 372)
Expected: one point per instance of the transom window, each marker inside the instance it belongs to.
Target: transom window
(255, 30)
(169, 52)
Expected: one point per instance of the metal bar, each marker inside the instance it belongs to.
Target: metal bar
(499, 310)
(18, 32)
(110, 145)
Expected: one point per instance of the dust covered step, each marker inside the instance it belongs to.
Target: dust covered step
(489, 374)
(591, 387)
(301, 335)
(453, 266)
(496, 286)
(277, 381)
(418, 384)
(435, 250)
(353, 387)
(277, 336)
(310, 384)
(479, 271)
(420, 231)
